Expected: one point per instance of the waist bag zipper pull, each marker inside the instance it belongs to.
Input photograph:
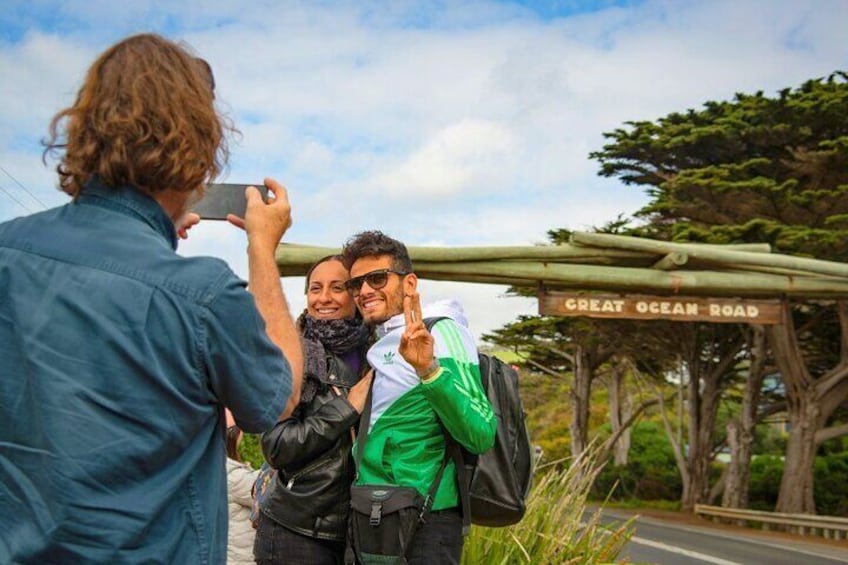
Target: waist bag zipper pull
(376, 513)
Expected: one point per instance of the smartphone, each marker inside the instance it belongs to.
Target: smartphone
(222, 199)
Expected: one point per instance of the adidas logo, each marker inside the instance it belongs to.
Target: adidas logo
(389, 358)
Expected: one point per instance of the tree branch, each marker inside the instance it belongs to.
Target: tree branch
(831, 379)
(837, 394)
(727, 359)
(567, 356)
(829, 433)
(770, 410)
(607, 446)
(542, 368)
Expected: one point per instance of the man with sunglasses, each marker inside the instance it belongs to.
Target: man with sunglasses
(424, 383)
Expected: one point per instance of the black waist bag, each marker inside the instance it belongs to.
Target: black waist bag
(383, 521)
(384, 518)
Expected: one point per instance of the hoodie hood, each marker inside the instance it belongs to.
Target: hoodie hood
(447, 308)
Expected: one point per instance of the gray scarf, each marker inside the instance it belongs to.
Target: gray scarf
(321, 336)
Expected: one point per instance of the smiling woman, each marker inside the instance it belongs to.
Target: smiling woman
(327, 297)
(304, 519)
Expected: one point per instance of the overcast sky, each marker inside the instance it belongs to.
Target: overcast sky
(439, 123)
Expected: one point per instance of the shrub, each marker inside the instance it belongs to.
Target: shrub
(250, 451)
(764, 482)
(651, 472)
(556, 528)
(830, 487)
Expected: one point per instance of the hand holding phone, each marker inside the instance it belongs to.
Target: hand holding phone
(265, 219)
(220, 200)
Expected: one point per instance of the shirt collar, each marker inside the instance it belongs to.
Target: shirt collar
(390, 325)
(131, 202)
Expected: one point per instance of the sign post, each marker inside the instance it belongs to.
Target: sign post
(672, 308)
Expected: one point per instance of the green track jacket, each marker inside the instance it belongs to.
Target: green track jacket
(405, 445)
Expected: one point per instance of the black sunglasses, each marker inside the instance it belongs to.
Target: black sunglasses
(375, 279)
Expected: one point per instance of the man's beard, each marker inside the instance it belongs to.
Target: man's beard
(394, 306)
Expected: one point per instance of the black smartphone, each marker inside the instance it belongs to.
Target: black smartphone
(222, 199)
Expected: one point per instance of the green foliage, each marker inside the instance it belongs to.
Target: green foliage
(831, 484)
(250, 450)
(545, 401)
(637, 504)
(769, 441)
(650, 473)
(830, 488)
(752, 169)
(556, 528)
(764, 483)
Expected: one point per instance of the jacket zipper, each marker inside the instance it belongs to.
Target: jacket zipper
(306, 470)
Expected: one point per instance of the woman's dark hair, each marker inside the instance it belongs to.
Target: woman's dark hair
(233, 433)
(374, 244)
(336, 257)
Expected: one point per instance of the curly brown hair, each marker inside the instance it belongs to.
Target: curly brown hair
(375, 243)
(144, 116)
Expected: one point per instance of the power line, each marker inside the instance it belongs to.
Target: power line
(25, 189)
(10, 195)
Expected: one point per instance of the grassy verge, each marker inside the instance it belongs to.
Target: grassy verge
(556, 528)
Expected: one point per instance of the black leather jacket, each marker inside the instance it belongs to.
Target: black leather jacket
(312, 454)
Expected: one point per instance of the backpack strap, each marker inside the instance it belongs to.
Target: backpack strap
(463, 478)
(362, 431)
(455, 451)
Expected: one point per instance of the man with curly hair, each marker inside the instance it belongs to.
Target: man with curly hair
(425, 384)
(118, 356)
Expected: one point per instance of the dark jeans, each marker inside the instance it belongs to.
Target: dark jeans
(276, 544)
(439, 540)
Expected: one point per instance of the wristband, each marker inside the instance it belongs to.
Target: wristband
(428, 372)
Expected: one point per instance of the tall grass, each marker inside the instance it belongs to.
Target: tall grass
(557, 529)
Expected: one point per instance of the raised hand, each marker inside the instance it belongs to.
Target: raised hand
(416, 343)
(265, 223)
(359, 392)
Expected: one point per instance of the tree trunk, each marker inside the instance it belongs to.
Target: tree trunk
(620, 411)
(718, 488)
(673, 438)
(809, 404)
(735, 483)
(702, 413)
(707, 371)
(580, 398)
(796, 486)
(740, 431)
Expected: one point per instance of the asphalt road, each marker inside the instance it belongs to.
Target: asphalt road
(662, 542)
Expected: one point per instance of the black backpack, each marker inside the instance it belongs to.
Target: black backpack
(493, 486)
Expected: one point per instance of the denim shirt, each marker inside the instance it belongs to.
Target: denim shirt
(117, 357)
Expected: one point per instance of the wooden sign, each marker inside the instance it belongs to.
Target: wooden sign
(672, 308)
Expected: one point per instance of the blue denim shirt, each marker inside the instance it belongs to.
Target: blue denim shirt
(117, 357)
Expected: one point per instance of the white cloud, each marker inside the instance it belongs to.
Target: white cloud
(461, 157)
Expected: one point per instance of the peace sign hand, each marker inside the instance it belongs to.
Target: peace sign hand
(416, 343)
